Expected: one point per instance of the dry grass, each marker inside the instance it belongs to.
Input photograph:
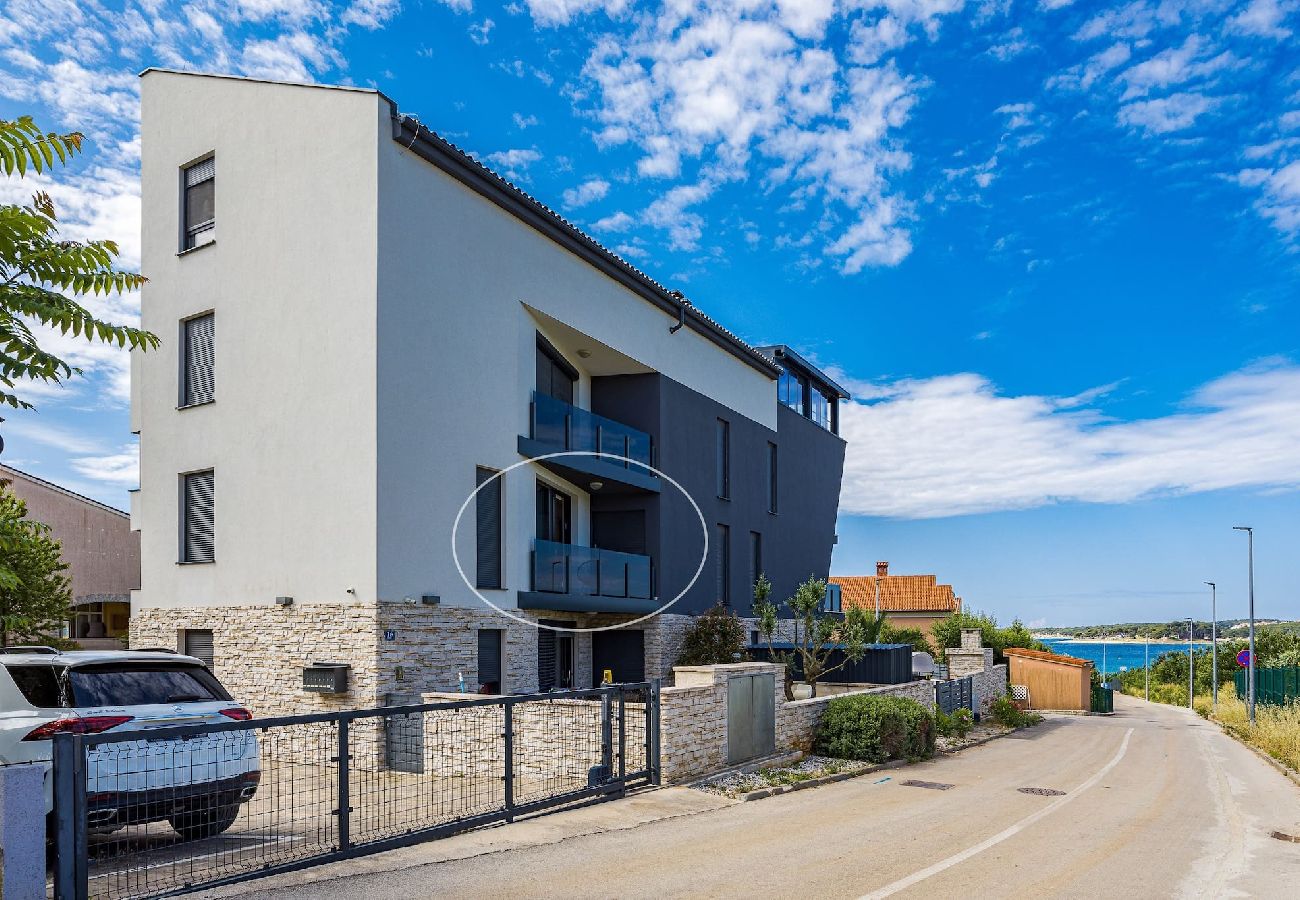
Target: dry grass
(1276, 731)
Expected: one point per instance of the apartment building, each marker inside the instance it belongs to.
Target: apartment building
(372, 335)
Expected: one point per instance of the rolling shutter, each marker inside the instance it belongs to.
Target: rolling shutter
(489, 660)
(198, 643)
(545, 659)
(199, 384)
(488, 529)
(200, 524)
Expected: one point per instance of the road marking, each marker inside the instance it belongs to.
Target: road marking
(1011, 831)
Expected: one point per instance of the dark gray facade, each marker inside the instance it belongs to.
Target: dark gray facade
(795, 541)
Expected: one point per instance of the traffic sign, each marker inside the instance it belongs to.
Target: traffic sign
(1243, 658)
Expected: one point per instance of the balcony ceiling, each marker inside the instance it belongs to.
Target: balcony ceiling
(604, 360)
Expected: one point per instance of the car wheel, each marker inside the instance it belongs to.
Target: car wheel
(204, 823)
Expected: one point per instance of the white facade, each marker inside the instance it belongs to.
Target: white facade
(375, 327)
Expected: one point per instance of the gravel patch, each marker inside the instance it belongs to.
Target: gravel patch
(977, 735)
(810, 767)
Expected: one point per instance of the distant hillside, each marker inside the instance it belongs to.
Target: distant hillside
(1173, 631)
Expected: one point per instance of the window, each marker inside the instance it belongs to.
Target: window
(197, 385)
(554, 520)
(755, 557)
(487, 508)
(133, 684)
(790, 390)
(489, 660)
(771, 477)
(821, 409)
(555, 377)
(198, 517)
(39, 685)
(198, 643)
(198, 207)
(723, 556)
(724, 458)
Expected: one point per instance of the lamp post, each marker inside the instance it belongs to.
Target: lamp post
(1250, 582)
(1103, 656)
(1214, 645)
(1148, 667)
(1191, 667)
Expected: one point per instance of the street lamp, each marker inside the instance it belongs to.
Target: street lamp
(1191, 667)
(1250, 575)
(1148, 666)
(1214, 645)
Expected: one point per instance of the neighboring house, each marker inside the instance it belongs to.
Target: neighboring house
(102, 553)
(907, 601)
(367, 325)
(1053, 681)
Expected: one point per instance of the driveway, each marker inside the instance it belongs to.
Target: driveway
(1156, 803)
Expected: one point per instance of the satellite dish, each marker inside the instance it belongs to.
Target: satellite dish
(922, 663)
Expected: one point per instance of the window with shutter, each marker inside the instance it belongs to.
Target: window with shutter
(489, 660)
(488, 529)
(198, 385)
(198, 531)
(724, 458)
(198, 206)
(199, 644)
(723, 551)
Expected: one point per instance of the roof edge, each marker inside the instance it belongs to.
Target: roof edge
(227, 77)
(62, 490)
(455, 162)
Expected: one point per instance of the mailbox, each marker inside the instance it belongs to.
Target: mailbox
(325, 678)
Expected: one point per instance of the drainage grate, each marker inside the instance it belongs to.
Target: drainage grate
(932, 785)
(1042, 792)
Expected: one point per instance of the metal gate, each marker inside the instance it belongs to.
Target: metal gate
(181, 808)
(956, 694)
(751, 717)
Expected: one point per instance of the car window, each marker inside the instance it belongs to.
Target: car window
(39, 685)
(118, 684)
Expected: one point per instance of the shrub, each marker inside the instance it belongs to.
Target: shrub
(1003, 711)
(712, 639)
(875, 729)
(957, 725)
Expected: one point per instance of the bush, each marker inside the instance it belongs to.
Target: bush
(875, 729)
(1003, 711)
(957, 725)
(714, 638)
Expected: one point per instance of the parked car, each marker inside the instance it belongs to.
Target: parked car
(196, 784)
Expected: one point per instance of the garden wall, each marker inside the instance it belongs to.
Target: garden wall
(693, 716)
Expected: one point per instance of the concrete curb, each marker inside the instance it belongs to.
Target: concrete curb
(763, 793)
(1282, 767)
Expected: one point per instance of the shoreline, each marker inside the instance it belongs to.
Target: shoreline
(1116, 640)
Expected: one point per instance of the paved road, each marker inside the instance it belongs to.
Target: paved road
(1157, 803)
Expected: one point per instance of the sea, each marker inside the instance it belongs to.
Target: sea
(1116, 655)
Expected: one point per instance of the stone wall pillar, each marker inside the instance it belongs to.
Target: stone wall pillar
(970, 658)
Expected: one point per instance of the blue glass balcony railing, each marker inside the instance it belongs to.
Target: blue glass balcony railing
(590, 572)
(566, 427)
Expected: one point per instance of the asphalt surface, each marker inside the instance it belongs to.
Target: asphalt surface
(1156, 803)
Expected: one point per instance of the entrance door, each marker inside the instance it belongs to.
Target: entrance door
(554, 656)
(621, 651)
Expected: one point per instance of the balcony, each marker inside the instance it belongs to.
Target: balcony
(556, 426)
(587, 579)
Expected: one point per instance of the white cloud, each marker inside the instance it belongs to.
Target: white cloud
(513, 164)
(371, 14)
(480, 33)
(1166, 114)
(955, 445)
(120, 468)
(714, 92)
(1263, 18)
(1279, 201)
(589, 191)
(562, 12)
(616, 223)
(521, 121)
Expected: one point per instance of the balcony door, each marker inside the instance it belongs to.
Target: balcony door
(555, 377)
(554, 515)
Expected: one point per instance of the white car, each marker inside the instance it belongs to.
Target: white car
(197, 784)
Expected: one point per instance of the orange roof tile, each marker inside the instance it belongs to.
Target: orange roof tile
(898, 593)
(1047, 657)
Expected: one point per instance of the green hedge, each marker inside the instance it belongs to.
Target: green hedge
(875, 729)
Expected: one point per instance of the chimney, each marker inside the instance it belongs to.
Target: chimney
(882, 568)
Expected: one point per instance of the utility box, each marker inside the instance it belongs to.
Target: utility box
(325, 678)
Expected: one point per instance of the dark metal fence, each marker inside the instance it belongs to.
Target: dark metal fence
(183, 807)
(950, 696)
(1274, 684)
(881, 664)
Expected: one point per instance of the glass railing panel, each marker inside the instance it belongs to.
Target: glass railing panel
(639, 576)
(565, 568)
(584, 568)
(551, 567)
(550, 420)
(613, 574)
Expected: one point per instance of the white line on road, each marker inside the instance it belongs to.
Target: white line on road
(1011, 831)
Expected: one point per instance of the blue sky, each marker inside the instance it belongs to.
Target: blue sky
(1050, 246)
